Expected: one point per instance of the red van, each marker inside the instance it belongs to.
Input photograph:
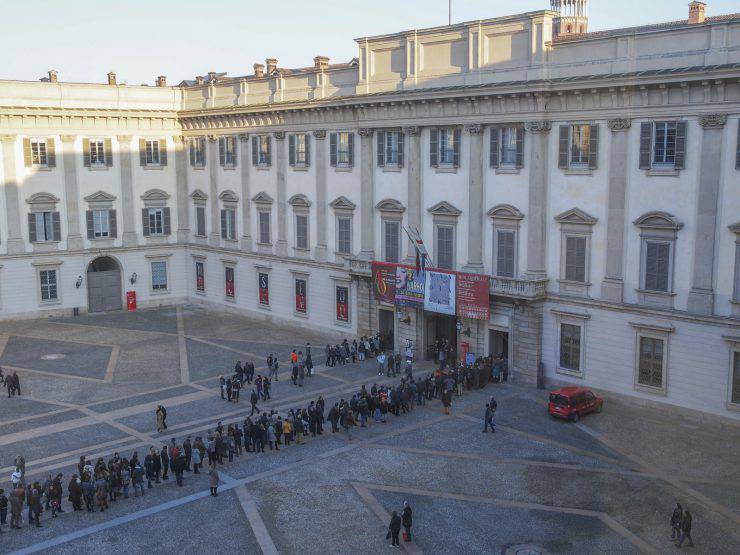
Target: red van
(573, 402)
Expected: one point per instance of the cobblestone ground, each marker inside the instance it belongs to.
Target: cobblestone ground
(91, 384)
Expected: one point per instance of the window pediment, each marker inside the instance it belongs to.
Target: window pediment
(199, 195)
(42, 198)
(100, 196)
(444, 208)
(262, 198)
(155, 194)
(391, 206)
(576, 216)
(228, 196)
(505, 212)
(658, 220)
(342, 203)
(299, 201)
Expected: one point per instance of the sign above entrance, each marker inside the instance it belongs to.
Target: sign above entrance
(409, 287)
(439, 295)
(472, 296)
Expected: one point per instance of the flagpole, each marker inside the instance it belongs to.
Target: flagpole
(449, 12)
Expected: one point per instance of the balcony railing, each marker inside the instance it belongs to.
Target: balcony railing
(519, 288)
(360, 267)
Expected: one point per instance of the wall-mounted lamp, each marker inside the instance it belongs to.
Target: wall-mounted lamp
(78, 283)
(133, 277)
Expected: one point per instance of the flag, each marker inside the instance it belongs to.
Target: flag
(421, 251)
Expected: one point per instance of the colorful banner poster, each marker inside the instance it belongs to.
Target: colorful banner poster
(409, 287)
(384, 281)
(472, 296)
(264, 287)
(230, 282)
(200, 279)
(300, 295)
(342, 303)
(439, 295)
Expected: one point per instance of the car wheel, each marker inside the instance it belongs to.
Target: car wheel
(575, 417)
(599, 408)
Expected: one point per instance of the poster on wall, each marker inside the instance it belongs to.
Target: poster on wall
(342, 303)
(264, 289)
(200, 279)
(300, 295)
(439, 295)
(230, 282)
(410, 287)
(384, 281)
(472, 296)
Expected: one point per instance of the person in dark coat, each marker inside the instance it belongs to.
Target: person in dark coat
(165, 457)
(253, 400)
(676, 521)
(406, 520)
(686, 529)
(394, 528)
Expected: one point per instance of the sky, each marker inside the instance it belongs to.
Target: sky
(140, 39)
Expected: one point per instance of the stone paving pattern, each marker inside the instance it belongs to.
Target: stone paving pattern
(604, 485)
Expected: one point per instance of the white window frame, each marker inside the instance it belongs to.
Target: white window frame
(446, 145)
(505, 217)
(101, 223)
(507, 132)
(663, 163)
(268, 215)
(152, 155)
(307, 244)
(152, 216)
(46, 219)
(579, 133)
(159, 260)
(452, 228)
(199, 152)
(573, 319)
(390, 148)
(231, 223)
(45, 272)
(263, 148)
(300, 144)
(651, 331)
(348, 219)
(39, 152)
(343, 156)
(97, 153)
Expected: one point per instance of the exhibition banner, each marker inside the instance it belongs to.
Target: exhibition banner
(472, 296)
(409, 287)
(439, 295)
(384, 281)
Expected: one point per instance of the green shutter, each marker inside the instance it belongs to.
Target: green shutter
(563, 144)
(108, 146)
(381, 148)
(291, 149)
(269, 150)
(162, 152)
(519, 146)
(90, 226)
(166, 218)
(27, 159)
(457, 136)
(350, 149)
(142, 153)
(646, 145)
(308, 149)
(493, 155)
(56, 225)
(112, 224)
(333, 149)
(680, 162)
(32, 227)
(145, 222)
(223, 224)
(401, 139)
(434, 147)
(593, 146)
(255, 146)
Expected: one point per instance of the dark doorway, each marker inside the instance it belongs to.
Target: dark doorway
(498, 348)
(441, 330)
(387, 329)
(104, 285)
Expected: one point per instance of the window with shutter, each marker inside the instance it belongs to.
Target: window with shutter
(447, 147)
(39, 153)
(101, 224)
(155, 221)
(570, 347)
(344, 147)
(434, 147)
(223, 225)
(298, 150)
(664, 143)
(263, 150)
(736, 377)
(575, 258)
(333, 137)
(344, 235)
(200, 221)
(96, 153)
(494, 147)
(505, 253)
(43, 227)
(380, 147)
(152, 153)
(264, 221)
(445, 247)
(580, 136)
(112, 224)
(301, 229)
(646, 145)
(657, 266)
(509, 146)
(650, 371)
(736, 287)
(391, 241)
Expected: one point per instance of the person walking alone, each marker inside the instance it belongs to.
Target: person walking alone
(161, 418)
(488, 419)
(686, 529)
(394, 528)
(213, 478)
(676, 522)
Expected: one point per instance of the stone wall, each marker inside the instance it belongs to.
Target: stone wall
(527, 329)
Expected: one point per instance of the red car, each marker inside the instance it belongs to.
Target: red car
(573, 402)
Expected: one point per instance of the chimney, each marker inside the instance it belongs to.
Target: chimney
(211, 76)
(53, 76)
(321, 62)
(271, 65)
(161, 81)
(259, 70)
(112, 78)
(199, 80)
(696, 12)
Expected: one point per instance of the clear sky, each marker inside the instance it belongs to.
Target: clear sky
(140, 39)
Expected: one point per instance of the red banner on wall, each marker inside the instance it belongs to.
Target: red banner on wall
(300, 295)
(230, 282)
(264, 289)
(342, 303)
(384, 281)
(472, 296)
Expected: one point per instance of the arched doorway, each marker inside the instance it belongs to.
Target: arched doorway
(104, 285)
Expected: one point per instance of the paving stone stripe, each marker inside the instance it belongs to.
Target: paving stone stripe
(255, 521)
(182, 348)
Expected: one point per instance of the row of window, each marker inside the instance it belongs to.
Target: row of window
(662, 146)
(651, 355)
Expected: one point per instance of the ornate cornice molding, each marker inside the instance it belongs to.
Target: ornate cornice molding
(538, 126)
(366, 131)
(713, 121)
(243, 137)
(619, 124)
(474, 128)
(319, 134)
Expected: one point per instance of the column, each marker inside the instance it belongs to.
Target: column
(537, 216)
(476, 200)
(214, 237)
(15, 241)
(244, 154)
(282, 194)
(612, 287)
(71, 193)
(701, 294)
(181, 178)
(129, 237)
(322, 205)
(413, 154)
(367, 195)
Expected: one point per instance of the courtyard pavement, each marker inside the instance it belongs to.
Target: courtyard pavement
(91, 384)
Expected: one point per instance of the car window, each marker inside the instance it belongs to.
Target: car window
(590, 396)
(559, 400)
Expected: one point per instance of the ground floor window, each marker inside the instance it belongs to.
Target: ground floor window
(159, 276)
(650, 362)
(570, 347)
(48, 281)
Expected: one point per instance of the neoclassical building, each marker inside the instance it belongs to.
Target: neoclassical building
(591, 178)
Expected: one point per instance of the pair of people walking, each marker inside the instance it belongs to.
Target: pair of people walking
(681, 525)
(394, 528)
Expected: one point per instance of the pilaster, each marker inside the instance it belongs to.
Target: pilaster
(537, 216)
(129, 236)
(214, 237)
(475, 200)
(414, 185)
(322, 206)
(367, 195)
(181, 178)
(10, 187)
(71, 193)
(701, 294)
(612, 286)
(282, 188)
(244, 154)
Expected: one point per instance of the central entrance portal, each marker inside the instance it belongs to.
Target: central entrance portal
(104, 285)
(441, 332)
(386, 327)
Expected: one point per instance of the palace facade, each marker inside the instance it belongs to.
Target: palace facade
(593, 177)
